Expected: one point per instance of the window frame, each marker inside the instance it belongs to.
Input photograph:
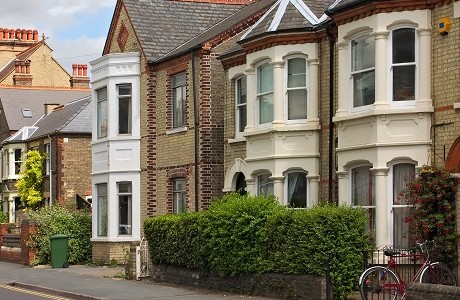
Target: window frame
(6, 163)
(17, 163)
(259, 94)
(128, 116)
(269, 183)
(102, 198)
(286, 188)
(371, 192)
(287, 89)
(179, 208)
(129, 197)
(240, 105)
(102, 108)
(47, 159)
(391, 66)
(175, 87)
(357, 72)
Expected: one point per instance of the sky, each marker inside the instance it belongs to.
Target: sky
(76, 30)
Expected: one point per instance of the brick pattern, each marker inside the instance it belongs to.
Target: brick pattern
(106, 252)
(24, 254)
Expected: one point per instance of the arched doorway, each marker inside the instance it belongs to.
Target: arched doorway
(240, 185)
(453, 158)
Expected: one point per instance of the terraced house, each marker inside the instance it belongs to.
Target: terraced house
(307, 100)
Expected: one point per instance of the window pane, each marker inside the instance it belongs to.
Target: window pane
(265, 108)
(403, 83)
(241, 90)
(363, 88)
(401, 238)
(179, 201)
(102, 210)
(403, 45)
(297, 190)
(124, 115)
(179, 95)
(124, 208)
(17, 161)
(265, 185)
(264, 78)
(102, 121)
(242, 117)
(297, 104)
(401, 174)
(241, 103)
(297, 73)
(362, 187)
(363, 53)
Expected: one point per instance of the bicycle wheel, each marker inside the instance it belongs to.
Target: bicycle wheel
(438, 273)
(379, 283)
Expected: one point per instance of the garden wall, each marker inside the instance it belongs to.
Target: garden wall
(279, 286)
(419, 291)
(13, 247)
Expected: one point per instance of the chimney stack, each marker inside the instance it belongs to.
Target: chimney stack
(49, 107)
(22, 74)
(79, 78)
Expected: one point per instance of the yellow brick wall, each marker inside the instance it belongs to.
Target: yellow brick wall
(107, 252)
(446, 86)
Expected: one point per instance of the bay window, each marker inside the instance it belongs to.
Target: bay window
(265, 93)
(296, 88)
(403, 64)
(363, 70)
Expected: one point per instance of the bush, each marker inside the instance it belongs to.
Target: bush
(54, 220)
(253, 235)
(3, 217)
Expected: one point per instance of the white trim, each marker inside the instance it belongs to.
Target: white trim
(260, 20)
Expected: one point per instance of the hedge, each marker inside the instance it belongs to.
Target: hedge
(255, 235)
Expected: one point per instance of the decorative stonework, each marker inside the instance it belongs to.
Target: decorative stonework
(122, 37)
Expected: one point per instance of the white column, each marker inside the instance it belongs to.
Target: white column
(343, 74)
(278, 92)
(251, 185)
(278, 188)
(313, 97)
(424, 67)
(343, 184)
(313, 189)
(251, 99)
(381, 206)
(381, 77)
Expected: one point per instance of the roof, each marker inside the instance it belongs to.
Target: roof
(74, 117)
(342, 4)
(24, 107)
(229, 22)
(288, 15)
(163, 25)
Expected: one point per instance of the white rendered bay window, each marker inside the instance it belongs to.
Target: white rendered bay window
(362, 75)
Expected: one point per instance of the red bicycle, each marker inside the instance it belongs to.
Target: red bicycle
(385, 282)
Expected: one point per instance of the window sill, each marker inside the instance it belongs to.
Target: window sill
(394, 110)
(176, 130)
(237, 140)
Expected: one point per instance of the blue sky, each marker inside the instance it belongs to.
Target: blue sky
(75, 30)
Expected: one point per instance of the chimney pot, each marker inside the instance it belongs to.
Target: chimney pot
(74, 69)
(11, 34)
(29, 35)
(18, 34)
(85, 70)
(35, 34)
(24, 34)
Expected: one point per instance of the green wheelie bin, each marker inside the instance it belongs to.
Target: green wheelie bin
(59, 245)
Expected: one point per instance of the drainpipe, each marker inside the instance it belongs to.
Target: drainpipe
(197, 131)
(331, 106)
(51, 173)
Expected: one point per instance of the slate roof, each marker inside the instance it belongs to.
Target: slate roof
(288, 15)
(14, 100)
(232, 20)
(342, 4)
(163, 25)
(74, 117)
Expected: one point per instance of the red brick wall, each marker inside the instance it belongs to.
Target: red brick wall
(24, 255)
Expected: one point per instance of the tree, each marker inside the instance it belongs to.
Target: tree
(29, 184)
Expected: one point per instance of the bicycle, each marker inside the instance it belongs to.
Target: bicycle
(385, 282)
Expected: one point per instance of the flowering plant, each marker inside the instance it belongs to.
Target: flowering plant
(433, 195)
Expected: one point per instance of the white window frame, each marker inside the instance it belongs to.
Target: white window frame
(47, 159)
(16, 161)
(179, 204)
(372, 206)
(182, 86)
(268, 184)
(287, 89)
(102, 202)
(391, 65)
(260, 94)
(240, 105)
(6, 162)
(393, 206)
(102, 113)
(127, 116)
(286, 188)
(125, 229)
(361, 71)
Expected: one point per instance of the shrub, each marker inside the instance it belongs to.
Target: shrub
(253, 235)
(54, 220)
(29, 183)
(3, 217)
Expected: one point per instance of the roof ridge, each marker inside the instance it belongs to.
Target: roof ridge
(43, 87)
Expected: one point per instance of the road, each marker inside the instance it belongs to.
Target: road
(13, 293)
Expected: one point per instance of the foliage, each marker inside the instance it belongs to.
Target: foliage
(433, 194)
(3, 217)
(54, 220)
(30, 182)
(253, 235)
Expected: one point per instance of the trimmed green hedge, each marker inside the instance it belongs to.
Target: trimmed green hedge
(54, 220)
(254, 235)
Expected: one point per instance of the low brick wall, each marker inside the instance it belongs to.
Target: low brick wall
(419, 291)
(12, 253)
(268, 285)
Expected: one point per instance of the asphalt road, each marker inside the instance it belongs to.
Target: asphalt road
(13, 293)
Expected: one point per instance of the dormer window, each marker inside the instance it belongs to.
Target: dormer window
(26, 113)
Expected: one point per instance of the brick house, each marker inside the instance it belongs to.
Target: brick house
(32, 82)
(158, 133)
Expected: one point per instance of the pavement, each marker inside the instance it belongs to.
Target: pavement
(89, 282)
